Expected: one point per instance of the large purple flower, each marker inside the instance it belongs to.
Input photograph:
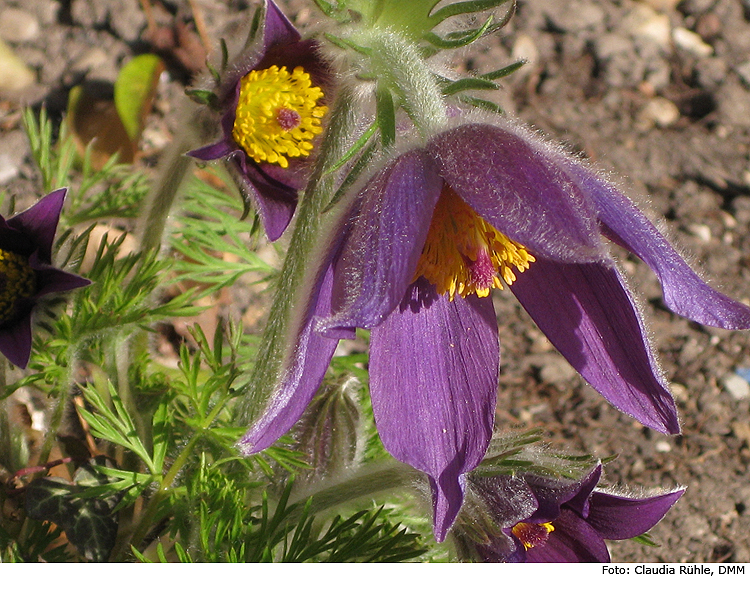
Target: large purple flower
(27, 274)
(568, 520)
(435, 229)
(271, 100)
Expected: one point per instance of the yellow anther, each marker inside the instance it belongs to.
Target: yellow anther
(17, 280)
(278, 114)
(463, 254)
(532, 534)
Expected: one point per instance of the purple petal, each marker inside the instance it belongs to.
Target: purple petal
(573, 540)
(433, 382)
(220, 149)
(622, 518)
(509, 499)
(297, 388)
(515, 185)
(380, 256)
(551, 495)
(684, 291)
(51, 280)
(588, 314)
(581, 502)
(275, 203)
(277, 30)
(39, 222)
(15, 341)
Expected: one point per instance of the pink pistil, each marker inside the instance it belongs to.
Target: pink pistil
(482, 271)
(287, 118)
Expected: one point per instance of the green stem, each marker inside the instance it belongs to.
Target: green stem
(147, 517)
(66, 385)
(397, 62)
(173, 169)
(317, 227)
(367, 482)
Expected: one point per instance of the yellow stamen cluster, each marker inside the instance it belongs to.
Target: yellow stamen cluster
(278, 114)
(17, 280)
(532, 534)
(463, 254)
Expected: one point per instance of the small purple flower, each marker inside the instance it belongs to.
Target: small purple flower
(569, 520)
(479, 206)
(272, 102)
(27, 274)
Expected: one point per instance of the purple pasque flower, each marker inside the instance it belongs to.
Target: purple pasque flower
(272, 99)
(566, 521)
(27, 274)
(480, 205)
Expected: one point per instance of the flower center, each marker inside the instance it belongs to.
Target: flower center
(17, 280)
(532, 534)
(464, 254)
(277, 115)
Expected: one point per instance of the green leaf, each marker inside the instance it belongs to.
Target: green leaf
(386, 115)
(463, 8)
(134, 91)
(203, 97)
(89, 523)
(460, 38)
(482, 104)
(469, 84)
(646, 540)
(502, 72)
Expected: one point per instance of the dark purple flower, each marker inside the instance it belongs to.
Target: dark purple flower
(27, 274)
(271, 100)
(434, 231)
(569, 520)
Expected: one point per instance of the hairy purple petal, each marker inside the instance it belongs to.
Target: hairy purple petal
(573, 540)
(588, 314)
(301, 381)
(52, 280)
(39, 223)
(552, 494)
(15, 341)
(274, 201)
(514, 185)
(684, 291)
(622, 518)
(220, 149)
(380, 256)
(433, 381)
(277, 30)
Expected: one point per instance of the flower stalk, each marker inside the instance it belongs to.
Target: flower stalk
(309, 251)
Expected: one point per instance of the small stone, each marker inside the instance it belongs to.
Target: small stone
(660, 112)
(638, 467)
(691, 42)
(574, 15)
(14, 74)
(711, 72)
(743, 71)
(737, 387)
(91, 60)
(646, 23)
(700, 231)
(556, 371)
(708, 26)
(525, 48)
(662, 5)
(663, 447)
(8, 170)
(18, 26)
